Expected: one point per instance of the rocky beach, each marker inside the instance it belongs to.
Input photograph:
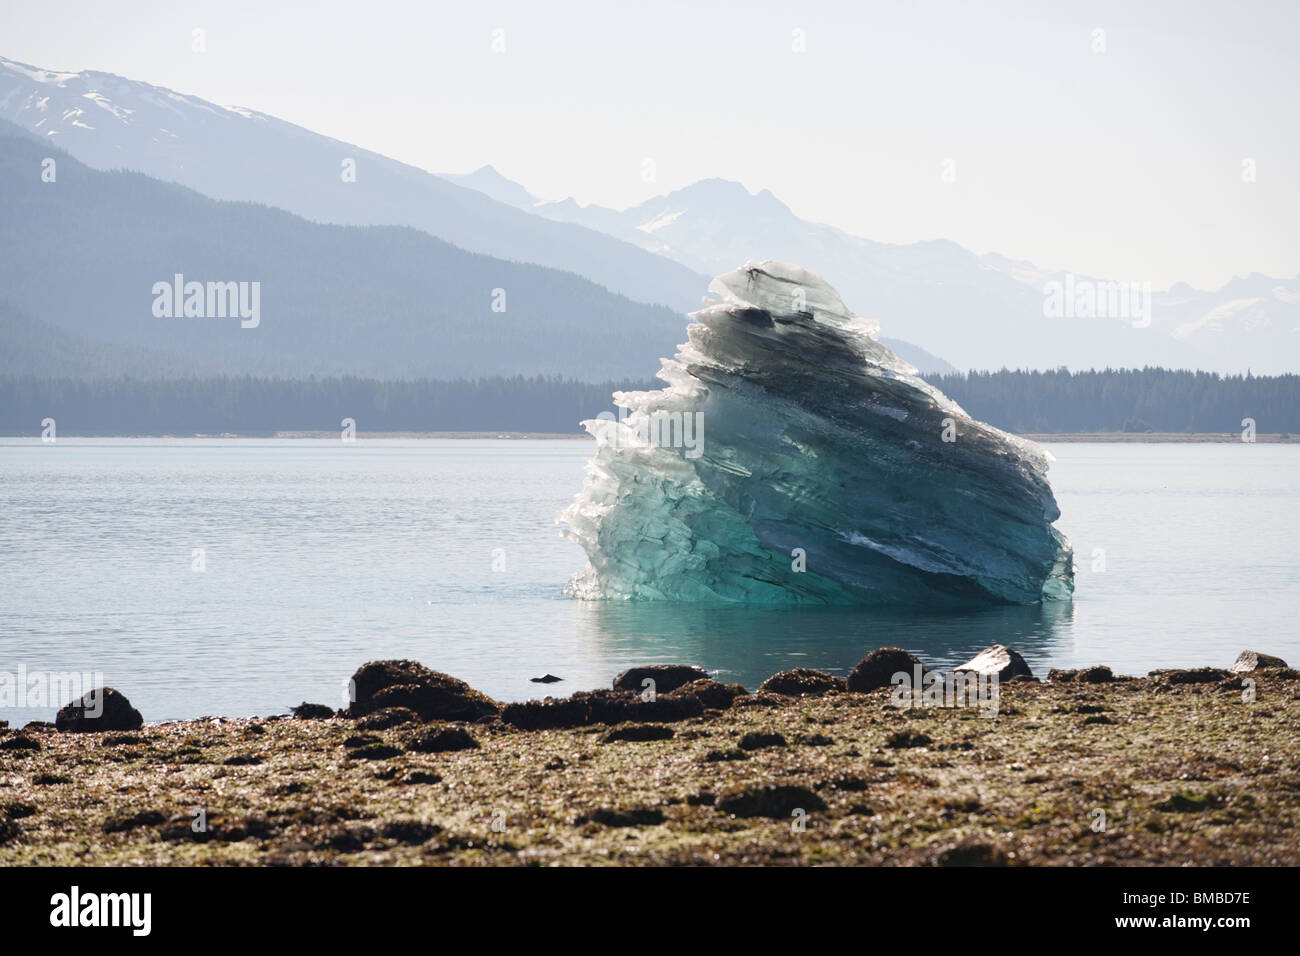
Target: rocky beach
(1179, 767)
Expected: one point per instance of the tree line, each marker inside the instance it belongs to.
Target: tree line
(1136, 400)
(1126, 400)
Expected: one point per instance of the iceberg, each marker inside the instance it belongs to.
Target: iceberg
(792, 459)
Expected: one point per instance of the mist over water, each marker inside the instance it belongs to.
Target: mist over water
(321, 555)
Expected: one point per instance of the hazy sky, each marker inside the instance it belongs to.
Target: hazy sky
(1126, 163)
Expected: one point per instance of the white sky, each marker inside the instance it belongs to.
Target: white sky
(1125, 164)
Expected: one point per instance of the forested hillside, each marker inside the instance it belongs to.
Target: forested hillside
(83, 253)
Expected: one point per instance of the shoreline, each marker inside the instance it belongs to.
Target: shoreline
(1180, 767)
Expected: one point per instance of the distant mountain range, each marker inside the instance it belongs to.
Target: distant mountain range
(109, 122)
(975, 311)
(983, 311)
(978, 311)
(85, 259)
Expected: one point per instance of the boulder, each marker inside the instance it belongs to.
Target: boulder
(803, 682)
(667, 677)
(102, 709)
(428, 693)
(1248, 661)
(997, 661)
(878, 668)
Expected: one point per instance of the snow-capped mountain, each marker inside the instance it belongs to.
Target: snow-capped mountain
(976, 311)
(979, 311)
(1252, 322)
(231, 153)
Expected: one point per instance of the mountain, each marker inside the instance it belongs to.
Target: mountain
(109, 122)
(33, 348)
(491, 183)
(979, 312)
(231, 153)
(1252, 322)
(92, 254)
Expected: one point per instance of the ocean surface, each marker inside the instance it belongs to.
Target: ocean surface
(240, 577)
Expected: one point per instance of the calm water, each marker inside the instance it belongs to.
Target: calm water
(322, 555)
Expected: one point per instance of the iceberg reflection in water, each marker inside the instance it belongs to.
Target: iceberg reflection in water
(747, 645)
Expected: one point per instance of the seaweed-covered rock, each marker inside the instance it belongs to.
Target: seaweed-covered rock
(972, 853)
(718, 756)
(1197, 675)
(600, 707)
(803, 682)
(131, 821)
(443, 741)
(878, 668)
(769, 800)
(387, 717)
(306, 711)
(758, 740)
(639, 733)
(635, 817)
(101, 709)
(1248, 661)
(666, 677)
(374, 752)
(904, 739)
(1101, 674)
(428, 693)
(997, 661)
(409, 832)
(711, 693)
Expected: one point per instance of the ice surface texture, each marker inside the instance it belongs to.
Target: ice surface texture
(812, 469)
